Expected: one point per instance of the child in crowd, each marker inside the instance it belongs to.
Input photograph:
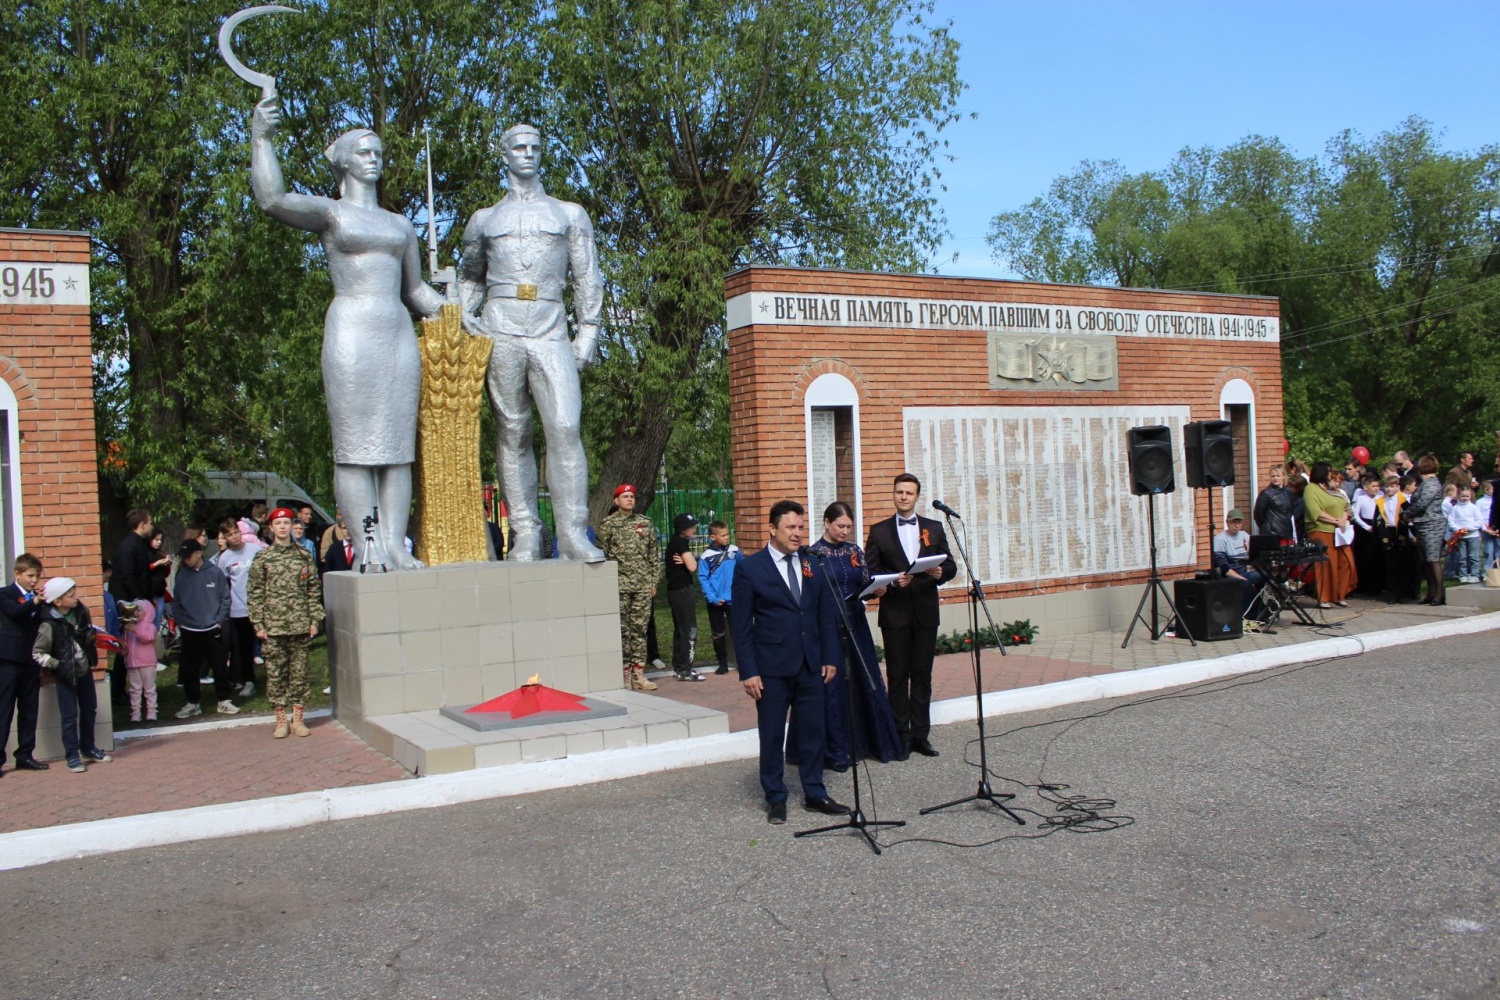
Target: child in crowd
(1450, 552)
(715, 578)
(20, 678)
(65, 645)
(1395, 551)
(140, 661)
(682, 565)
(1467, 539)
(1486, 516)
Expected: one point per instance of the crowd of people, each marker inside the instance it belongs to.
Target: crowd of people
(256, 601)
(1396, 532)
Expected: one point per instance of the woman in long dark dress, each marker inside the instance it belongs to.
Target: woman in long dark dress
(875, 730)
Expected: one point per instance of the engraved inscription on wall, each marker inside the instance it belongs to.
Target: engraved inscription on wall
(1052, 363)
(1045, 491)
(822, 462)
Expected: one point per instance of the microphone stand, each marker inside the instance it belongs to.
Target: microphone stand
(856, 820)
(977, 602)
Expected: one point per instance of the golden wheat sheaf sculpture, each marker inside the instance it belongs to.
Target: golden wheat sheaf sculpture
(450, 499)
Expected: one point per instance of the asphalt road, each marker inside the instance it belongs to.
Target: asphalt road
(1322, 831)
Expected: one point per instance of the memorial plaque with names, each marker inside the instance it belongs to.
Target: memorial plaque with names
(822, 467)
(1046, 491)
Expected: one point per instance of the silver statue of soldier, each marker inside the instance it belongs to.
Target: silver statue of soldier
(517, 255)
(372, 370)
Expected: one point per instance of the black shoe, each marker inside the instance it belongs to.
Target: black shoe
(827, 807)
(721, 671)
(30, 764)
(776, 813)
(924, 748)
(689, 675)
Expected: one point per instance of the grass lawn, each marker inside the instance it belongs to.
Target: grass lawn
(170, 696)
(705, 648)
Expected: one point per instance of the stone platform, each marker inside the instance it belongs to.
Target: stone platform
(1474, 595)
(402, 646)
(430, 743)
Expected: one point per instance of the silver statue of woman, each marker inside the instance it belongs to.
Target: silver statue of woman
(372, 371)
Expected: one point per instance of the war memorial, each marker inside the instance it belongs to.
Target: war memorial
(1011, 401)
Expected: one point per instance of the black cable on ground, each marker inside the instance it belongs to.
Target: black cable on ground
(1082, 813)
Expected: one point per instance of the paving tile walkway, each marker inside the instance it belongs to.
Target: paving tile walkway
(1059, 657)
(178, 771)
(181, 770)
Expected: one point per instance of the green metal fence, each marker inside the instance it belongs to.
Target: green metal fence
(710, 503)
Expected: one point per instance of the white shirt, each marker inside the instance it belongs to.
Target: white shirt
(910, 536)
(1364, 510)
(236, 566)
(1465, 515)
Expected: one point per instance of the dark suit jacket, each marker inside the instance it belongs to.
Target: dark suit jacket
(18, 624)
(334, 559)
(131, 579)
(915, 605)
(772, 635)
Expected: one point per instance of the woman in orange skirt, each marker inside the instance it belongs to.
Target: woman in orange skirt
(1327, 512)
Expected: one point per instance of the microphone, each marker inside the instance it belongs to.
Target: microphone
(940, 506)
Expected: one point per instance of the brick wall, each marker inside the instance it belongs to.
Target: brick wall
(771, 366)
(46, 359)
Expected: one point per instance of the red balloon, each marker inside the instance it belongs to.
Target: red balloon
(1286, 447)
(1361, 454)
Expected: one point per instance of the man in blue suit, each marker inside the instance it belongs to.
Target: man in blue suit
(786, 639)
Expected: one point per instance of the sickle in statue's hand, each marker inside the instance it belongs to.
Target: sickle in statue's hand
(264, 81)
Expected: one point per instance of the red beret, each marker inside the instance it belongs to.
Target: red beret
(285, 512)
(623, 488)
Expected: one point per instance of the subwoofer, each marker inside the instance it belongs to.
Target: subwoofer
(1210, 609)
(1150, 452)
(1208, 447)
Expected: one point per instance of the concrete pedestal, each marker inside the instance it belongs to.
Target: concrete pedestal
(49, 725)
(404, 645)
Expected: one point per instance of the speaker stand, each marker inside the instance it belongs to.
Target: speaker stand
(1155, 588)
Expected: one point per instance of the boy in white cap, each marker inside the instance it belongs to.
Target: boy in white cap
(65, 645)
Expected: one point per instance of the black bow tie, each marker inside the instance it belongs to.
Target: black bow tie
(906, 520)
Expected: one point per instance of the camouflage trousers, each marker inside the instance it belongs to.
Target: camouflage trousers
(635, 614)
(286, 668)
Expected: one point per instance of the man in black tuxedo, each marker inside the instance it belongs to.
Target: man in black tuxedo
(909, 609)
(20, 676)
(786, 639)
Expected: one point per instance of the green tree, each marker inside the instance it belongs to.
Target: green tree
(699, 136)
(1382, 254)
(707, 136)
(123, 121)
(1406, 238)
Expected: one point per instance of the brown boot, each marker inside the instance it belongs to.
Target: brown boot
(281, 731)
(298, 727)
(638, 681)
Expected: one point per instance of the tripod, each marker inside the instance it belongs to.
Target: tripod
(976, 603)
(1154, 587)
(367, 560)
(856, 820)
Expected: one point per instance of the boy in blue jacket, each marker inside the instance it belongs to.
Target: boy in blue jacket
(715, 576)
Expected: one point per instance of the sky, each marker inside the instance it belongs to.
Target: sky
(1057, 82)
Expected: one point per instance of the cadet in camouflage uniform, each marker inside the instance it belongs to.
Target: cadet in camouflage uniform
(286, 605)
(630, 540)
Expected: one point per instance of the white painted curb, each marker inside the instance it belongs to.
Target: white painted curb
(26, 848)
